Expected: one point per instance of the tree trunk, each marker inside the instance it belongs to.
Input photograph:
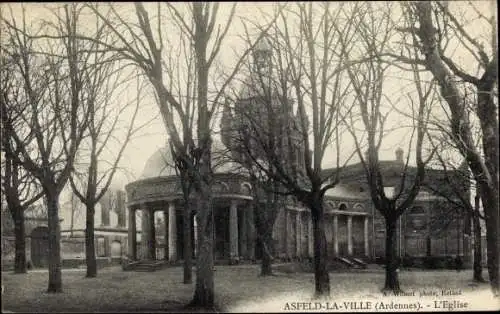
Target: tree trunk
(321, 277)
(151, 240)
(204, 290)
(188, 251)
(492, 240)
(55, 279)
(428, 245)
(20, 242)
(251, 236)
(265, 217)
(90, 257)
(477, 263)
(72, 221)
(391, 262)
(485, 169)
(488, 189)
(266, 268)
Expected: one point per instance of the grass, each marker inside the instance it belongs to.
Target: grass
(238, 288)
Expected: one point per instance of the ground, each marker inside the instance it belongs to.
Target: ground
(238, 288)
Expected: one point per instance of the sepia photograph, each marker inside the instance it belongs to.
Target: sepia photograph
(330, 156)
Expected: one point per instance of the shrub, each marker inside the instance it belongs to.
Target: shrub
(436, 262)
(408, 261)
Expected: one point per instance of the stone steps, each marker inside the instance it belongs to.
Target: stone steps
(352, 262)
(359, 262)
(145, 266)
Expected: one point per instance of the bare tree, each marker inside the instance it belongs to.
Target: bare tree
(175, 161)
(146, 46)
(19, 187)
(51, 109)
(265, 190)
(182, 77)
(186, 185)
(433, 25)
(94, 173)
(307, 78)
(368, 79)
(460, 183)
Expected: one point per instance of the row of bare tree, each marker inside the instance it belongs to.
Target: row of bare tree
(59, 121)
(332, 63)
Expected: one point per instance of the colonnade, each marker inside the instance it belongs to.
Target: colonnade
(242, 233)
(349, 234)
(300, 232)
(148, 235)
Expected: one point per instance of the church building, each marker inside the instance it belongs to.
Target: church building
(354, 228)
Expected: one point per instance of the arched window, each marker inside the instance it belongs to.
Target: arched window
(113, 218)
(343, 207)
(246, 188)
(359, 207)
(220, 187)
(116, 249)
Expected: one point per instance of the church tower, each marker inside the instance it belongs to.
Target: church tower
(263, 109)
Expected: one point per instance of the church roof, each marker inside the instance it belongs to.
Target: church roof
(341, 191)
(161, 162)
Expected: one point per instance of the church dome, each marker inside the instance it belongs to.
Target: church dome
(161, 162)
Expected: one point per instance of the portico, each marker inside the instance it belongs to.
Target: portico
(346, 230)
(348, 217)
(234, 231)
(149, 244)
(347, 224)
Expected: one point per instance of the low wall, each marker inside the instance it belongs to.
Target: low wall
(8, 265)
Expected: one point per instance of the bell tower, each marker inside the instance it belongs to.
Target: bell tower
(262, 54)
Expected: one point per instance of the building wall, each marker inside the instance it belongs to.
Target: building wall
(412, 232)
(292, 238)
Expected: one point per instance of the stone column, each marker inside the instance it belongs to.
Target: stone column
(104, 213)
(233, 231)
(349, 235)
(152, 234)
(142, 248)
(172, 232)
(365, 229)
(298, 233)
(165, 236)
(335, 235)
(310, 236)
(146, 233)
(28, 248)
(289, 235)
(120, 208)
(132, 235)
(243, 234)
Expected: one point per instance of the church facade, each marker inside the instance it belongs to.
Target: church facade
(149, 224)
(354, 228)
